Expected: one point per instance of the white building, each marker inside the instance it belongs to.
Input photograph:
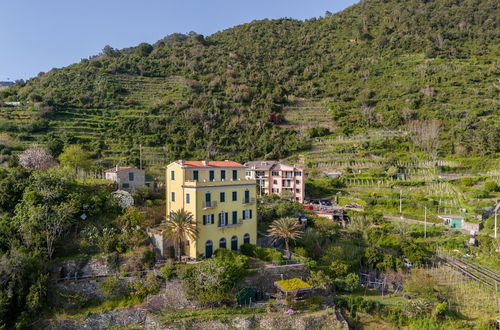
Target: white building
(127, 178)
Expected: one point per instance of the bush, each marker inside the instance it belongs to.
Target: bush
(148, 258)
(352, 282)
(491, 186)
(168, 272)
(111, 288)
(440, 311)
(113, 261)
(141, 289)
(266, 254)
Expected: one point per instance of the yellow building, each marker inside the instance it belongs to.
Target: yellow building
(221, 199)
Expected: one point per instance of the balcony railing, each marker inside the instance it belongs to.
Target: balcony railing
(230, 224)
(209, 205)
(249, 200)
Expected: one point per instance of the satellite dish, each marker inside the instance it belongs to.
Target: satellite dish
(124, 198)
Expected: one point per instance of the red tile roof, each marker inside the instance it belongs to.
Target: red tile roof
(212, 163)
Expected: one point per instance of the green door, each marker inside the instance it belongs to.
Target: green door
(209, 249)
(234, 243)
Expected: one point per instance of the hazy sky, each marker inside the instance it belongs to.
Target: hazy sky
(39, 35)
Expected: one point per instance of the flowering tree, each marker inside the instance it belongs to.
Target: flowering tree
(36, 158)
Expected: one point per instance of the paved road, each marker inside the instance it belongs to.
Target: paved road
(419, 222)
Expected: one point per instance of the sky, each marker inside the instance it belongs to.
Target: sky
(36, 36)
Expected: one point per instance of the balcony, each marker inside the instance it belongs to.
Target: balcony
(209, 205)
(249, 200)
(229, 225)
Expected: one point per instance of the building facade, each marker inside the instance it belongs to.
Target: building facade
(277, 178)
(221, 199)
(127, 178)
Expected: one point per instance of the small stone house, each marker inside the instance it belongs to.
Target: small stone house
(127, 178)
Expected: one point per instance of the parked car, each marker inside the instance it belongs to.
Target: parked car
(326, 203)
(407, 263)
(309, 207)
(349, 206)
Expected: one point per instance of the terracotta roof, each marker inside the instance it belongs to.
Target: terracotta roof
(211, 163)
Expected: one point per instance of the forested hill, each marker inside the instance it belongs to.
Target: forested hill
(380, 64)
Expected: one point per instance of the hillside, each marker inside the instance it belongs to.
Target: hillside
(379, 65)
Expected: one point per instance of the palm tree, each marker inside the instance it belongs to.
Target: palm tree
(286, 228)
(180, 227)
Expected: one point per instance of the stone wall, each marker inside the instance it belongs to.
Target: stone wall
(320, 320)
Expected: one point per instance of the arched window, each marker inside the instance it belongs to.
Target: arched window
(246, 238)
(222, 243)
(234, 243)
(209, 249)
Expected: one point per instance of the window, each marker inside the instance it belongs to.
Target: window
(275, 181)
(222, 243)
(188, 198)
(195, 175)
(222, 219)
(222, 197)
(297, 191)
(297, 182)
(211, 175)
(235, 175)
(246, 238)
(223, 174)
(130, 176)
(173, 196)
(247, 214)
(234, 243)
(235, 196)
(298, 173)
(247, 196)
(208, 219)
(276, 190)
(248, 173)
(172, 175)
(125, 185)
(275, 173)
(235, 217)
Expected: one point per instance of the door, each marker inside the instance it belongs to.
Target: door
(234, 243)
(209, 249)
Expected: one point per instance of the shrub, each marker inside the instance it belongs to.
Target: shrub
(113, 261)
(141, 289)
(440, 310)
(491, 186)
(148, 258)
(168, 272)
(111, 288)
(352, 282)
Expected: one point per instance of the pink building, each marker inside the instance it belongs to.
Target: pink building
(275, 178)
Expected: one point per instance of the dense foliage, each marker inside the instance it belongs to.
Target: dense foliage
(382, 63)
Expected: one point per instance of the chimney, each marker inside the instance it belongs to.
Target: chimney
(204, 162)
(181, 162)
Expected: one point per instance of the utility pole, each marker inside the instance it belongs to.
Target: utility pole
(140, 156)
(496, 212)
(401, 202)
(425, 222)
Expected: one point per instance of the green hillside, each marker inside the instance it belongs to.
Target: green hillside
(383, 66)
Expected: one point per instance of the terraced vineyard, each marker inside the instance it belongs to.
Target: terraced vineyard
(91, 124)
(372, 173)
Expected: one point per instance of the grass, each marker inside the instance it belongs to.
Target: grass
(103, 307)
(207, 314)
